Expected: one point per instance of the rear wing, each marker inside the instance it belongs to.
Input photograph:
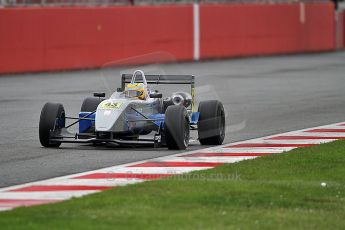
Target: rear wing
(164, 79)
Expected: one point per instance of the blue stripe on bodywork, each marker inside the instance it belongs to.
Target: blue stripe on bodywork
(159, 118)
(84, 125)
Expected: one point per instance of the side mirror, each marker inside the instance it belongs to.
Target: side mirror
(156, 95)
(99, 94)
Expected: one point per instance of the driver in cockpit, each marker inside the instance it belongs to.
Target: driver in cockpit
(136, 90)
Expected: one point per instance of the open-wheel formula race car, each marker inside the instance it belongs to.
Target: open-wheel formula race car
(137, 115)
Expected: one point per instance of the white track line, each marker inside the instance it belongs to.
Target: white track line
(315, 134)
(242, 150)
(158, 170)
(210, 159)
(95, 182)
(315, 142)
(53, 195)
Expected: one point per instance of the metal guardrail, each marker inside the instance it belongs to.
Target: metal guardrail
(38, 3)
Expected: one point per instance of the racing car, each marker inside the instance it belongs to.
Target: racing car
(137, 115)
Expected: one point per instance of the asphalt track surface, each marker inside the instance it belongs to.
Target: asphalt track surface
(262, 96)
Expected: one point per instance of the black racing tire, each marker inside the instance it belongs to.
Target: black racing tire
(90, 104)
(48, 122)
(176, 127)
(211, 124)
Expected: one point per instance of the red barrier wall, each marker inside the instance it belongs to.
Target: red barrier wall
(39, 39)
(254, 29)
(44, 39)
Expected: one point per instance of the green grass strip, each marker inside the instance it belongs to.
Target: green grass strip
(272, 192)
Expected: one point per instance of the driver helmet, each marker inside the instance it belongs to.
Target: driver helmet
(135, 90)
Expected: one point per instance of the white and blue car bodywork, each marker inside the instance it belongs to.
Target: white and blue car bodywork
(126, 121)
(125, 116)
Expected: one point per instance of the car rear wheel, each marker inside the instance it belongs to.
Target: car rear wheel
(211, 124)
(90, 104)
(52, 118)
(176, 127)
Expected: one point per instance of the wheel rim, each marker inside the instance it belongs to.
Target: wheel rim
(60, 121)
(222, 124)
